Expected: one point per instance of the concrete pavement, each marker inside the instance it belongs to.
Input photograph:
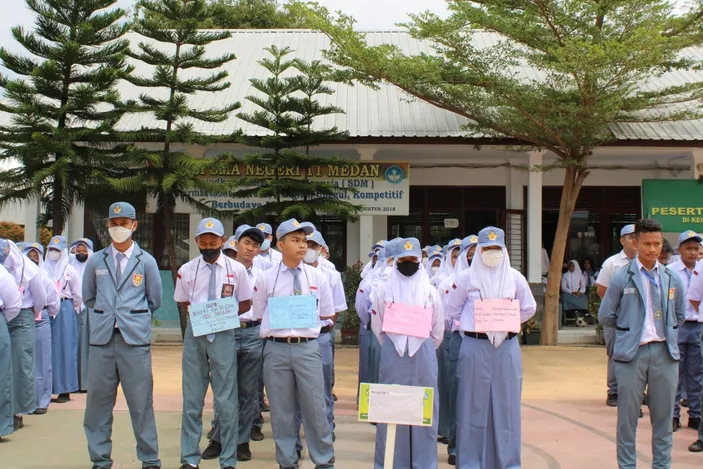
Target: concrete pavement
(566, 424)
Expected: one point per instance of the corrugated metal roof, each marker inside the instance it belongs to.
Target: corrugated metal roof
(386, 112)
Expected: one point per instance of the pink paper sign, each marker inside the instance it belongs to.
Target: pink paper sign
(409, 320)
(497, 315)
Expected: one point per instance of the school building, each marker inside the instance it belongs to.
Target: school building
(420, 173)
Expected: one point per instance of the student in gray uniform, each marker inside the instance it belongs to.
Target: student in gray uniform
(248, 353)
(209, 358)
(645, 303)
(292, 361)
(10, 304)
(122, 288)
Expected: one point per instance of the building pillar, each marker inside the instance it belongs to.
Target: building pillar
(193, 222)
(366, 222)
(515, 190)
(697, 163)
(76, 223)
(534, 219)
(31, 214)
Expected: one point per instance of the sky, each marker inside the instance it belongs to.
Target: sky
(370, 14)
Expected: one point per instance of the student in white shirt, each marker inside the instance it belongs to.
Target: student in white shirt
(268, 253)
(209, 359)
(292, 361)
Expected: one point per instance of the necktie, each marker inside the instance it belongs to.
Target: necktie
(297, 289)
(118, 266)
(688, 274)
(655, 299)
(212, 292)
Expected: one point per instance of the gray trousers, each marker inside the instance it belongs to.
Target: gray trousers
(22, 336)
(652, 367)
(259, 417)
(7, 423)
(609, 335)
(249, 357)
(110, 365)
(690, 368)
(206, 362)
(293, 373)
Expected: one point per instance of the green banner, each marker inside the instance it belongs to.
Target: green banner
(677, 205)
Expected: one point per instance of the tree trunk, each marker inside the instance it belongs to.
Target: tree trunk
(57, 208)
(167, 208)
(573, 181)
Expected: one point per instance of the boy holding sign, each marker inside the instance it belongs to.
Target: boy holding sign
(291, 299)
(408, 322)
(491, 300)
(214, 288)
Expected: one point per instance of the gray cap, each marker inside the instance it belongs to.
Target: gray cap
(292, 225)
(122, 210)
(210, 225)
(690, 234)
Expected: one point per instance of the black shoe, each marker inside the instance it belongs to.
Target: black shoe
(256, 434)
(184, 466)
(334, 397)
(63, 398)
(684, 403)
(331, 460)
(439, 438)
(644, 400)
(213, 450)
(40, 411)
(641, 413)
(675, 425)
(694, 422)
(154, 467)
(612, 400)
(445, 441)
(243, 452)
(300, 454)
(19, 422)
(452, 460)
(210, 434)
(334, 437)
(696, 447)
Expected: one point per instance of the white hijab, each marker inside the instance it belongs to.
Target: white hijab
(493, 283)
(573, 279)
(56, 269)
(20, 267)
(430, 261)
(446, 268)
(80, 266)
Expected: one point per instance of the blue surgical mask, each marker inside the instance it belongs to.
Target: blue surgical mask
(266, 245)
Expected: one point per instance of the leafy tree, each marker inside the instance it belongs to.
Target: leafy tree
(288, 111)
(168, 174)
(62, 105)
(596, 61)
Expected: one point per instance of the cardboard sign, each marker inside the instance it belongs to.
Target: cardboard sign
(395, 404)
(214, 316)
(293, 312)
(497, 315)
(409, 320)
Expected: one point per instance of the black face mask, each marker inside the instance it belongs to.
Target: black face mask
(82, 257)
(210, 254)
(408, 268)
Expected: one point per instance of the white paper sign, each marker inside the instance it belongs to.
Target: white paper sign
(401, 405)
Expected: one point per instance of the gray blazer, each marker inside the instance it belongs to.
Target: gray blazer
(130, 304)
(623, 307)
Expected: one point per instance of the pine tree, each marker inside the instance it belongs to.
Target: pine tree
(62, 105)
(168, 174)
(288, 112)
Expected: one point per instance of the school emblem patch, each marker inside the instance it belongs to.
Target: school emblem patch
(672, 293)
(457, 242)
(209, 225)
(473, 239)
(137, 279)
(408, 246)
(233, 243)
(117, 209)
(492, 236)
(35, 245)
(380, 243)
(56, 241)
(691, 233)
(262, 227)
(296, 223)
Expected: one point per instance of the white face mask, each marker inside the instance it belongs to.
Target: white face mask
(424, 261)
(434, 269)
(120, 234)
(492, 258)
(54, 255)
(265, 245)
(311, 256)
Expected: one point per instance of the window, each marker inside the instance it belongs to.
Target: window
(334, 231)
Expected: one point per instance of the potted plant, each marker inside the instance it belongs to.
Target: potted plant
(593, 306)
(531, 332)
(350, 320)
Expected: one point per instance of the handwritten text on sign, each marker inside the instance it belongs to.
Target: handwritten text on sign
(401, 405)
(497, 315)
(411, 320)
(214, 316)
(293, 312)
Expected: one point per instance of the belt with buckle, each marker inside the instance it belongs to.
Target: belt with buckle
(482, 336)
(326, 329)
(291, 340)
(244, 325)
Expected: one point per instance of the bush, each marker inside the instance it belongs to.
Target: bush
(594, 304)
(11, 231)
(352, 279)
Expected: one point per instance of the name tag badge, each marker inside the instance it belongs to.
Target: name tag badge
(630, 291)
(672, 293)
(137, 279)
(100, 271)
(227, 290)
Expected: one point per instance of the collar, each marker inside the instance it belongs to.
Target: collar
(127, 253)
(220, 260)
(285, 268)
(624, 256)
(640, 266)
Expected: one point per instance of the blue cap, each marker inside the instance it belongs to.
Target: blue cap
(58, 242)
(210, 225)
(316, 237)
(690, 234)
(230, 244)
(4, 250)
(454, 243)
(408, 247)
(265, 228)
(122, 210)
(289, 226)
(29, 246)
(240, 229)
(436, 255)
(469, 241)
(21, 245)
(491, 236)
(85, 241)
(627, 229)
(379, 244)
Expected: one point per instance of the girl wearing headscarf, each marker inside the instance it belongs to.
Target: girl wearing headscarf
(30, 281)
(448, 262)
(42, 350)
(10, 305)
(84, 249)
(490, 364)
(573, 287)
(64, 328)
(409, 360)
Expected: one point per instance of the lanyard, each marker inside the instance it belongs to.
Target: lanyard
(275, 282)
(195, 278)
(650, 277)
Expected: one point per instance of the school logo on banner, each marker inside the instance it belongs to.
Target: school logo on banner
(137, 279)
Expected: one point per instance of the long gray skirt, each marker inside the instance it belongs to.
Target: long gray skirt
(64, 349)
(42, 360)
(7, 423)
(83, 348)
(24, 391)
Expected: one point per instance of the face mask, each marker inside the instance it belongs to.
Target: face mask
(434, 269)
(492, 258)
(120, 234)
(424, 261)
(311, 256)
(265, 245)
(81, 257)
(210, 254)
(408, 268)
(54, 255)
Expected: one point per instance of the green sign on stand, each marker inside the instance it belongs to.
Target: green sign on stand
(676, 204)
(167, 315)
